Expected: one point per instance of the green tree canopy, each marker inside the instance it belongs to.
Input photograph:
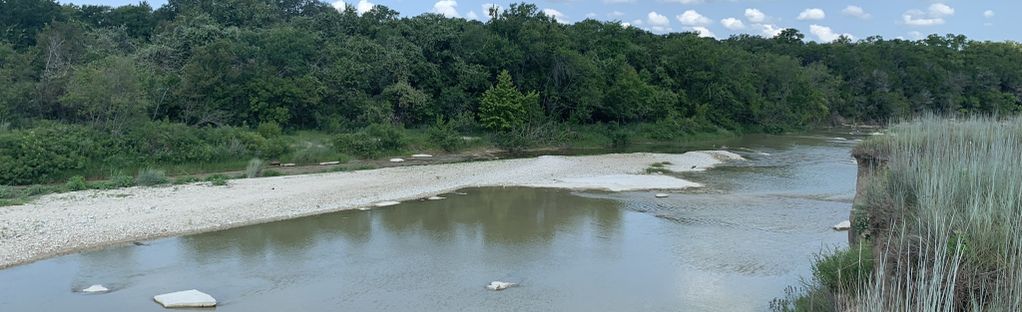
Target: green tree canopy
(503, 107)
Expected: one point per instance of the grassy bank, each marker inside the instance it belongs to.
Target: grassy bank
(50, 157)
(940, 224)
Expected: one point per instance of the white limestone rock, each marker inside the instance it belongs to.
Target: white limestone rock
(422, 156)
(436, 198)
(397, 160)
(186, 299)
(843, 226)
(662, 195)
(329, 163)
(498, 285)
(95, 289)
(386, 203)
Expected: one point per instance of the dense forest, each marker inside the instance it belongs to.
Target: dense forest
(202, 80)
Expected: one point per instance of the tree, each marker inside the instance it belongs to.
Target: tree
(504, 108)
(107, 93)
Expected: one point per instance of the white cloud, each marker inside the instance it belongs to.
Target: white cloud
(940, 9)
(988, 13)
(769, 30)
(364, 6)
(934, 16)
(856, 11)
(637, 22)
(448, 8)
(626, 25)
(825, 34)
(693, 18)
(703, 32)
(340, 5)
(591, 14)
(656, 19)
(472, 15)
(755, 15)
(812, 14)
(732, 23)
(557, 15)
(616, 13)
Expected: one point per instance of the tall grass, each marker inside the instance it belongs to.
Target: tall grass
(945, 216)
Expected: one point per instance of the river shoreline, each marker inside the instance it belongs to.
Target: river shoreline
(71, 222)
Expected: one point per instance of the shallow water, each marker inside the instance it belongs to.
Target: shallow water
(731, 246)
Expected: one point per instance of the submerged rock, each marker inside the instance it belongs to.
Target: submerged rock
(186, 299)
(843, 226)
(498, 285)
(95, 289)
(662, 195)
(436, 198)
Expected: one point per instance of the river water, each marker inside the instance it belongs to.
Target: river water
(733, 245)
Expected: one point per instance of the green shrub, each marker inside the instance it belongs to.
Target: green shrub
(358, 144)
(37, 189)
(620, 138)
(443, 135)
(269, 130)
(254, 168)
(7, 192)
(389, 137)
(844, 270)
(76, 183)
(150, 177)
(217, 180)
(120, 181)
(275, 147)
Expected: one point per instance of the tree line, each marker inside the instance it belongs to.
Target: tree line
(304, 65)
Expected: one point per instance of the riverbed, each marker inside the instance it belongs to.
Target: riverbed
(732, 245)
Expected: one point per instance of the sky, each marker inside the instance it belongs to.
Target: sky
(819, 20)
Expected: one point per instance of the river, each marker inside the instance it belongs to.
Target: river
(733, 245)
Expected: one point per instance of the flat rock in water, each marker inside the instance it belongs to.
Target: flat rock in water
(436, 198)
(397, 160)
(843, 226)
(662, 195)
(186, 299)
(422, 156)
(386, 203)
(95, 289)
(329, 163)
(498, 285)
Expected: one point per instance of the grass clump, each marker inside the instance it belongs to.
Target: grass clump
(151, 177)
(217, 180)
(254, 168)
(76, 183)
(185, 180)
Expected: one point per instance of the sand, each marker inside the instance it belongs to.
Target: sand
(69, 222)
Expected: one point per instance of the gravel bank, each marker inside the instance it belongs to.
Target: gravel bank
(69, 222)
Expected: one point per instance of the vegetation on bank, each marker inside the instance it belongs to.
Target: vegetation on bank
(942, 221)
(88, 90)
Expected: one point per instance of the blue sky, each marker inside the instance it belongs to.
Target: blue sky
(819, 20)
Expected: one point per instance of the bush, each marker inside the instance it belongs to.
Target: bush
(443, 135)
(76, 183)
(269, 130)
(358, 144)
(150, 177)
(844, 270)
(217, 180)
(7, 192)
(371, 141)
(255, 167)
(120, 181)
